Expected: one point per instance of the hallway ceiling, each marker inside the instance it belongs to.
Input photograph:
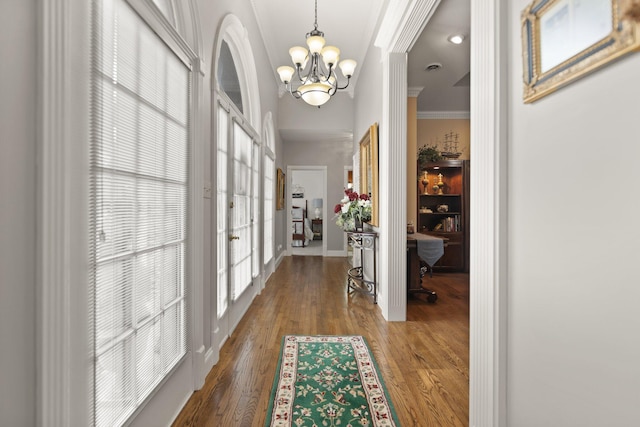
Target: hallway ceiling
(351, 25)
(348, 25)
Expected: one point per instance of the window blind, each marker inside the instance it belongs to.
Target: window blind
(139, 160)
(255, 211)
(269, 195)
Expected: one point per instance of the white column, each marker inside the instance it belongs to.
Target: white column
(196, 231)
(487, 370)
(393, 188)
(62, 271)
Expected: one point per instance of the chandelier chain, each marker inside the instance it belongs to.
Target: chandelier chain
(315, 22)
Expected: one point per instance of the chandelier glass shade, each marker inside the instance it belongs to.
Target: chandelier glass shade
(315, 69)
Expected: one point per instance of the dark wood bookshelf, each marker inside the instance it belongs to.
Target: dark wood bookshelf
(451, 222)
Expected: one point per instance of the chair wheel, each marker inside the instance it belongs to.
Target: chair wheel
(432, 297)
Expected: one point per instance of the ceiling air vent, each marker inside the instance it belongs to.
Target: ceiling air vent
(433, 67)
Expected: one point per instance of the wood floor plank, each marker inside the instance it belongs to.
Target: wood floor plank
(424, 361)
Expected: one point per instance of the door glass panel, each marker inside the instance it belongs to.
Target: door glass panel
(222, 201)
(240, 250)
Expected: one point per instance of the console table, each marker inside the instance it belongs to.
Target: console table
(363, 241)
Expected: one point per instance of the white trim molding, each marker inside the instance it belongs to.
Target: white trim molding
(414, 92)
(399, 29)
(62, 295)
(443, 115)
(236, 35)
(196, 226)
(393, 189)
(488, 287)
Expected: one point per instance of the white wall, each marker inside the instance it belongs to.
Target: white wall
(368, 98)
(311, 182)
(574, 322)
(335, 156)
(18, 49)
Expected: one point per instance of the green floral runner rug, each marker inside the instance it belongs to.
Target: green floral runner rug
(328, 381)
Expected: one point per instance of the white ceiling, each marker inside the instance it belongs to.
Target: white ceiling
(440, 92)
(350, 25)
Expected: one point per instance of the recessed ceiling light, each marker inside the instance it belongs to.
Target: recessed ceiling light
(456, 38)
(433, 67)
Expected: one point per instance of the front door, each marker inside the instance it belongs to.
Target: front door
(236, 226)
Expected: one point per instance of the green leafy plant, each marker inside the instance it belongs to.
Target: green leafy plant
(428, 154)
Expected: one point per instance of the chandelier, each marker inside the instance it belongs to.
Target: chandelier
(318, 82)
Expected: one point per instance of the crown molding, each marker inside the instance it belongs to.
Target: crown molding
(403, 23)
(413, 92)
(444, 115)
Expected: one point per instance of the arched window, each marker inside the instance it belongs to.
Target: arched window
(227, 76)
(239, 214)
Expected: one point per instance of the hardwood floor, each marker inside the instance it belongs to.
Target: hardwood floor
(424, 361)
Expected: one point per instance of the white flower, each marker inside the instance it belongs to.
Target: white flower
(345, 208)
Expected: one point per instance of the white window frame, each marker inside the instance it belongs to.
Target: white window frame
(236, 36)
(268, 137)
(63, 368)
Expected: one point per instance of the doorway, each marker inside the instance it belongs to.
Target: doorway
(306, 202)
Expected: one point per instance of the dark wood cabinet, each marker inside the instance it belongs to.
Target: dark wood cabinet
(443, 209)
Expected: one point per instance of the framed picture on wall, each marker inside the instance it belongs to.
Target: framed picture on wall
(280, 190)
(369, 169)
(563, 40)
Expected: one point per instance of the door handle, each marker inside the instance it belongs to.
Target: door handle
(232, 237)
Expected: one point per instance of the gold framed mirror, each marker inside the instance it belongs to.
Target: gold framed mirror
(563, 40)
(369, 169)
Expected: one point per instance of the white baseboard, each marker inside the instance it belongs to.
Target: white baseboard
(342, 253)
(199, 368)
(211, 358)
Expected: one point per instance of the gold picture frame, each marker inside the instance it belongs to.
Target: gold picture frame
(280, 190)
(563, 40)
(369, 169)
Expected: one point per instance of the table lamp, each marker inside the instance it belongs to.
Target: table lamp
(317, 203)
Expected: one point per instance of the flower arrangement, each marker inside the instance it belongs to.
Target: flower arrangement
(353, 210)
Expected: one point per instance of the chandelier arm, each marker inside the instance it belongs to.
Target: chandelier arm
(322, 70)
(295, 93)
(345, 86)
(300, 79)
